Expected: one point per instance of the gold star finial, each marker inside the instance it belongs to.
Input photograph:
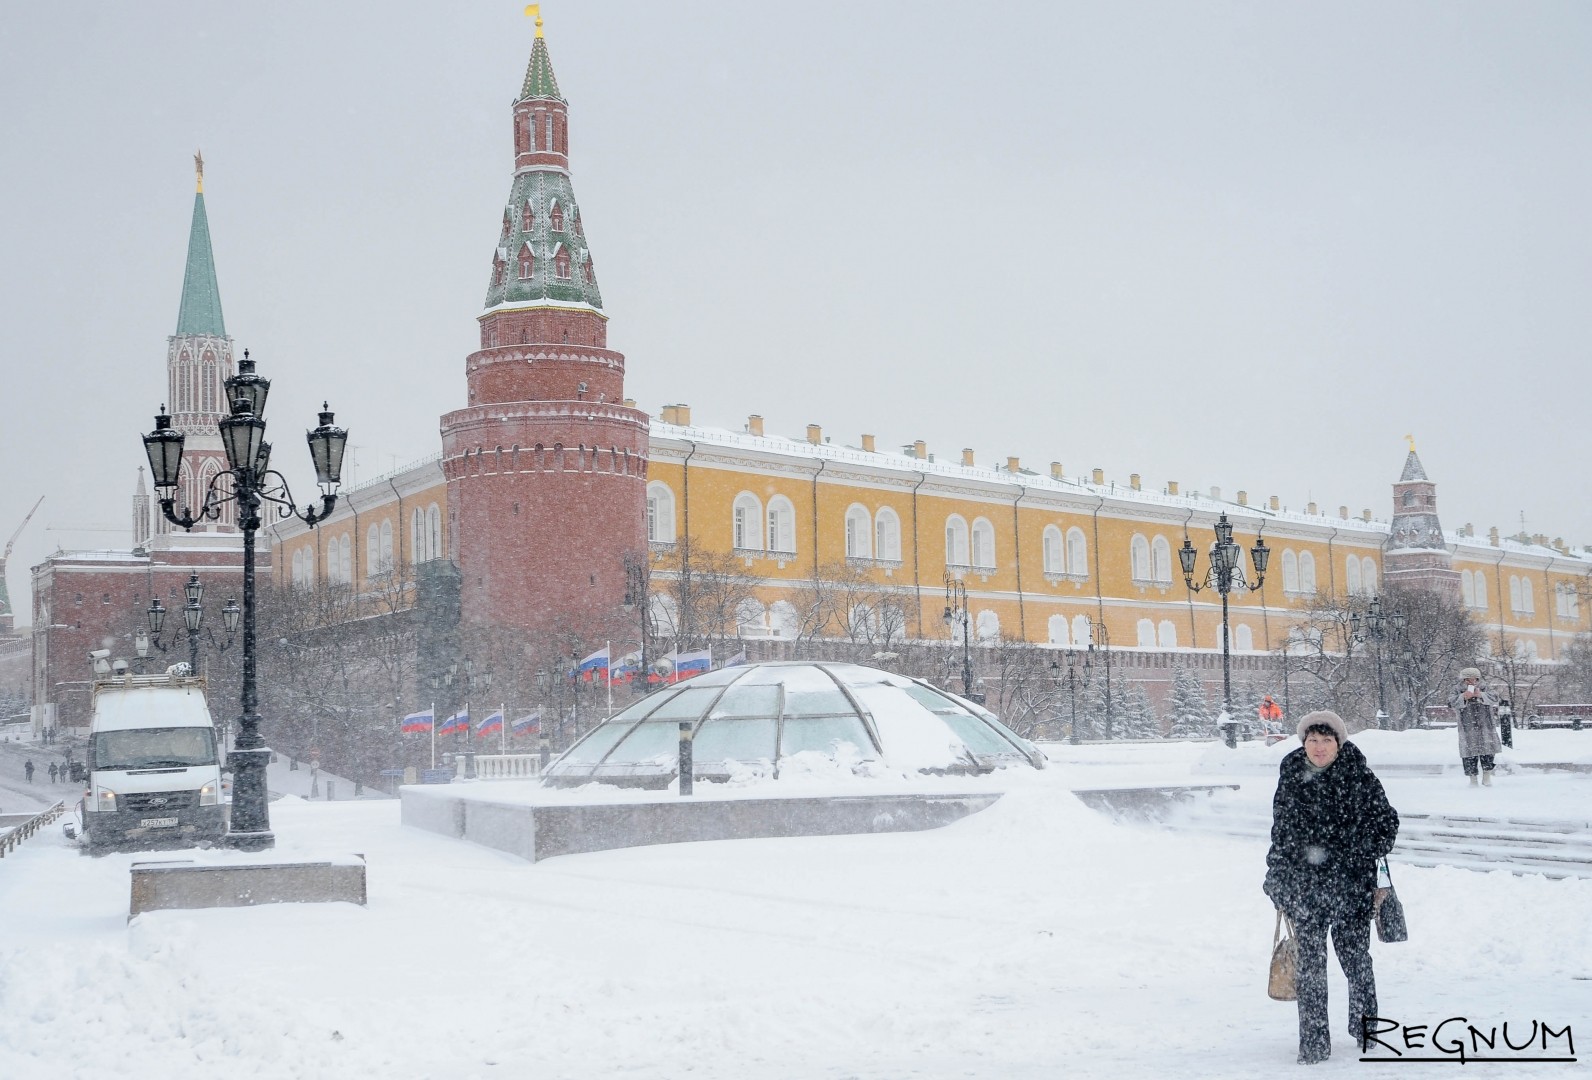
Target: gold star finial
(199, 171)
(1411, 438)
(535, 10)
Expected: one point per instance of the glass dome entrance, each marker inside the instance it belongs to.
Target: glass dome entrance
(774, 718)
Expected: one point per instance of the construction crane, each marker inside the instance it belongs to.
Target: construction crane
(5, 595)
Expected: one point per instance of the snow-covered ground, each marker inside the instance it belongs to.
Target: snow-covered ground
(1035, 939)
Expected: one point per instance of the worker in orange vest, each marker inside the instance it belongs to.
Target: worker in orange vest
(1270, 715)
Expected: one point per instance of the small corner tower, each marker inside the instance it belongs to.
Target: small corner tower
(198, 363)
(546, 467)
(1417, 554)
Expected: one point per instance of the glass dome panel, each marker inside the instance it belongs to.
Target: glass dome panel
(687, 705)
(598, 741)
(649, 742)
(824, 734)
(756, 699)
(732, 740)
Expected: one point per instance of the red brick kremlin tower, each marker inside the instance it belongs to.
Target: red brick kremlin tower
(546, 466)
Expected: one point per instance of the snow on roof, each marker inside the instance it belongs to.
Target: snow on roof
(895, 460)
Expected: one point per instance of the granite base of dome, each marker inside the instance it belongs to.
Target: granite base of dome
(544, 830)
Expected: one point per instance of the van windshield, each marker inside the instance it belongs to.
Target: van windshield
(154, 748)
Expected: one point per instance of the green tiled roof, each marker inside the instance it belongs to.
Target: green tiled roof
(201, 297)
(540, 82)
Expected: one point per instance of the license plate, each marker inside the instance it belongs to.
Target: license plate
(157, 822)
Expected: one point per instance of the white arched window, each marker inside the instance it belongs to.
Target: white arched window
(1351, 575)
(372, 551)
(1082, 632)
(1243, 638)
(748, 522)
(1481, 591)
(417, 535)
(781, 525)
(751, 617)
(1467, 588)
(660, 513)
(299, 576)
(987, 627)
(1077, 553)
(1528, 603)
(1368, 575)
(1515, 603)
(859, 532)
(983, 544)
(1166, 634)
(345, 559)
(1161, 559)
(1139, 557)
(1307, 572)
(1057, 630)
(887, 535)
(665, 614)
(956, 540)
(782, 619)
(1290, 570)
(1052, 547)
(1146, 628)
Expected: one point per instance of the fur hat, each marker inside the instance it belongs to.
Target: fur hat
(1324, 718)
(1469, 673)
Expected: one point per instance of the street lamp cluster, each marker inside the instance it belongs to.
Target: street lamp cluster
(1225, 574)
(251, 482)
(1376, 626)
(192, 617)
(956, 614)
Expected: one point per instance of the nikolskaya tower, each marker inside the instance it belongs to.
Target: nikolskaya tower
(546, 466)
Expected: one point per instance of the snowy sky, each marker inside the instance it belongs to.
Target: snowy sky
(1245, 245)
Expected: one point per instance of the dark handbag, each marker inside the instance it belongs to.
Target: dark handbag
(1280, 986)
(1390, 924)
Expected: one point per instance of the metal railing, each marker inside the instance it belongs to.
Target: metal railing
(11, 839)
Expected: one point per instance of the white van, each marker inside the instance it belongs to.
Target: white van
(154, 776)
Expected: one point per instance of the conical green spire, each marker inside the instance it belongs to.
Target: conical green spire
(540, 82)
(201, 297)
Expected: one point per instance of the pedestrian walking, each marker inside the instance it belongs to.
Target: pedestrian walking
(52, 772)
(1331, 822)
(1477, 711)
(27, 769)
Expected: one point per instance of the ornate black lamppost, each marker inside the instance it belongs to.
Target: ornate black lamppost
(192, 617)
(956, 613)
(1375, 627)
(1225, 575)
(1072, 686)
(251, 483)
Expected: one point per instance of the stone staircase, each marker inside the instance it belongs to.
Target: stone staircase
(1556, 848)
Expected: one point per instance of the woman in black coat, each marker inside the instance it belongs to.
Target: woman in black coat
(1331, 822)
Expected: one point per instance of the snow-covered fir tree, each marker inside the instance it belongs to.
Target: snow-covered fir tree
(1135, 718)
(1191, 712)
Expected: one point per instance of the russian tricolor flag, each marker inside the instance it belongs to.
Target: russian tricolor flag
(418, 722)
(594, 666)
(457, 723)
(490, 724)
(529, 724)
(692, 663)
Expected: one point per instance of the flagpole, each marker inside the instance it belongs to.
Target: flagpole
(433, 734)
(609, 676)
(503, 730)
